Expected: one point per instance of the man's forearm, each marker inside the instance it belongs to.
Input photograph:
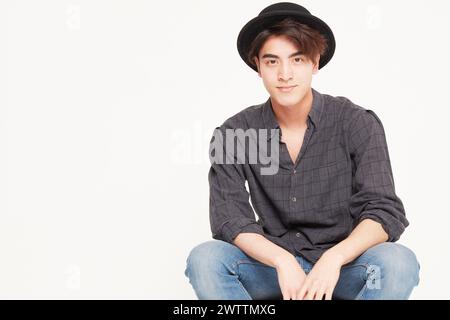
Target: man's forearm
(261, 249)
(367, 234)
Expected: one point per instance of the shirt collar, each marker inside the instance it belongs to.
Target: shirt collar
(270, 121)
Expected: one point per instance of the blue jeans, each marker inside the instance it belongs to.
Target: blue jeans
(220, 270)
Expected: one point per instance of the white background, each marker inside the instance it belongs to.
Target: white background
(107, 107)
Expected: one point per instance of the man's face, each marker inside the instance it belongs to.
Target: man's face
(281, 64)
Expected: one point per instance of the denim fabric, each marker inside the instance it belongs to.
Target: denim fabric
(219, 270)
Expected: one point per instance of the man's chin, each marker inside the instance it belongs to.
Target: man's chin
(288, 101)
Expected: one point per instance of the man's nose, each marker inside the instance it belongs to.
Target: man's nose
(285, 72)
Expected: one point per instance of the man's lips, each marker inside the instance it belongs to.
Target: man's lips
(286, 88)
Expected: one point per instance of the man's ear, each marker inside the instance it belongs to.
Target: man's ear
(316, 64)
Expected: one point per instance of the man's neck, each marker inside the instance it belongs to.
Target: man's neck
(294, 117)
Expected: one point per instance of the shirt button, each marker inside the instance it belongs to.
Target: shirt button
(297, 234)
(294, 199)
(295, 171)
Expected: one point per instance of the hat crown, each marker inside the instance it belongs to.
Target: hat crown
(284, 6)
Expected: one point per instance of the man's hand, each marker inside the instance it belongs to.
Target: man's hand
(323, 278)
(290, 277)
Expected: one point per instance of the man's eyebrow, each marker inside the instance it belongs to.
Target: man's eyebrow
(269, 55)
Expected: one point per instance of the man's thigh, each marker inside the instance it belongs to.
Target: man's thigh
(260, 280)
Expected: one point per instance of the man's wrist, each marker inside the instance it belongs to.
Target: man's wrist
(336, 256)
(282, 259)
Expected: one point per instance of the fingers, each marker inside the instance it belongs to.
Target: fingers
(320, 293)
(301, 293)
(315, 291)
(309, 289)
(329, 294)
(311, 293)
(288, 295)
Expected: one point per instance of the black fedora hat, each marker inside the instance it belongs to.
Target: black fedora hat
(275, 13)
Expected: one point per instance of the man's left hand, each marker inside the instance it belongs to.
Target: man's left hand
(322, 279)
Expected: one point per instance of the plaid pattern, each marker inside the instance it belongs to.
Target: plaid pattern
(342, 175)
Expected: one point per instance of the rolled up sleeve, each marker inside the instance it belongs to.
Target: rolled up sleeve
(230, 211)
(374, 194)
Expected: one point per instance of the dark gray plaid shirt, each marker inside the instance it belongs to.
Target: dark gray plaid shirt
(342, 175)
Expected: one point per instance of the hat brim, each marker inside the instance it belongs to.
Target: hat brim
(261, 22)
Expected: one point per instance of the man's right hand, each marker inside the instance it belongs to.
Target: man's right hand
(290, 277)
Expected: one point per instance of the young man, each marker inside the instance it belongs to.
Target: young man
(328, 213)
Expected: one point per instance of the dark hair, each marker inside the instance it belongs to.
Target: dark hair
(310, 41)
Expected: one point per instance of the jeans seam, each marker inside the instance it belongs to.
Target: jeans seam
(362, 292)
(247, 261)
(237, 274)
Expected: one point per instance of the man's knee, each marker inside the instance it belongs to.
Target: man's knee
(207, 257)
(394, 266)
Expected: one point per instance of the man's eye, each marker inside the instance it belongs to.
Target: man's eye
(271, 61)
(298, 59)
